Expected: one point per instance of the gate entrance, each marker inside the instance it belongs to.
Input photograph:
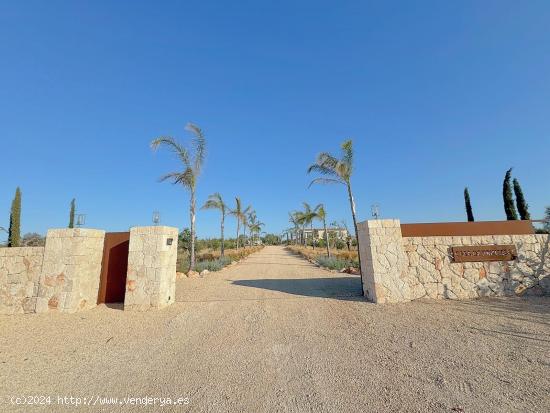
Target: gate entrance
(112, 284)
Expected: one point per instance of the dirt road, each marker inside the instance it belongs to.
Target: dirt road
(277, 334)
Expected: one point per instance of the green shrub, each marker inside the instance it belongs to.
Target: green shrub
(212, 265)
(340, 245)
(334, 263)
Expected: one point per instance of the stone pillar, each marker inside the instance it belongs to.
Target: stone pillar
(69, 281)
(151, 277)
(20, 269)
(383, 261)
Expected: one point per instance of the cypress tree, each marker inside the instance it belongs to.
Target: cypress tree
(71, 213)
(523, 207)
(468, 204)
(509, 207)
(14, 234)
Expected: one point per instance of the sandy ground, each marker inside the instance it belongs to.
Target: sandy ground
(277, 334)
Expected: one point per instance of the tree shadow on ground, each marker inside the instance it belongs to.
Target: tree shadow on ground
(342, 288)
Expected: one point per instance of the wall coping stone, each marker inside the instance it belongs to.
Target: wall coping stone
(75, 232)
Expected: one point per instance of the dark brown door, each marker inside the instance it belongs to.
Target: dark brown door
(112, 285)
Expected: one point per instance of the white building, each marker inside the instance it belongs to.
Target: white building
(319, 234)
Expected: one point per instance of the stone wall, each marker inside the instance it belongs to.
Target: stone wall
(65, 274)
(71, 270)
(382, 257)
(396, 269)
(19, 277)
(151, 277)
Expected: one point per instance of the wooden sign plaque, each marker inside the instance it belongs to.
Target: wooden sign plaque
(473, 253)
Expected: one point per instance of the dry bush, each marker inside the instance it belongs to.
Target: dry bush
(311, 254)
(213, 255)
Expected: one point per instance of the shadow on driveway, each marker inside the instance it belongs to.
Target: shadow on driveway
(339, 288)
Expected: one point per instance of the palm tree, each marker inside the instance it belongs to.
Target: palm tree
(337, 171)
(192, 160)
(296, 225)
(215, 201)
(251, 222)
(322, 215)
(240, 215)
(301, 222)
(258, 228)
(254, 224)
(305, 218)
(244, 221)
(237, 213)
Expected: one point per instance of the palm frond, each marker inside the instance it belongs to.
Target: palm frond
(292, 218)
(325, 181)
(199, 146)
(237, 211)
(214, 201)
(174, 146)
(210, 204)
(347, 152)
(323, 170)
(187, 178)
(339, 170)
(245, 215)
(320, 211)
(326, 160)
(170, 176)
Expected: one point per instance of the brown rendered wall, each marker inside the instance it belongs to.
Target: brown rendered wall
(444, 229)
(114, 265)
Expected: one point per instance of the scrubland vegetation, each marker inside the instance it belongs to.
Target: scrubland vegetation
(208, 255)
(338, 260)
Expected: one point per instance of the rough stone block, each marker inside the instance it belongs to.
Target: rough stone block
(72, 265)
(151, 276)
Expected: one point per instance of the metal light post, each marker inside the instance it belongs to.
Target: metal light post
(80, 220)
(375, 211)
(156, 217)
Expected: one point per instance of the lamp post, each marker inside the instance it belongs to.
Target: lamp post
(375, 211)
(156, 217)
(80, 220)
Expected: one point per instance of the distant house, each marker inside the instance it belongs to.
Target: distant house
(319, 233)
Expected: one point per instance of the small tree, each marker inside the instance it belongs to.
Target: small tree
(192, 160)
(295, 230)
(523, 207)
(255, 226)
(468, 204)
(509, 207)
(14, 233)
(306, 217)
(322, 215)
(32, 239)
(71, 213)
(338, 171)
(240, 215)
(215, 201)
(184, 239)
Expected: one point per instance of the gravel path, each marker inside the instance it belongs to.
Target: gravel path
(277, 334)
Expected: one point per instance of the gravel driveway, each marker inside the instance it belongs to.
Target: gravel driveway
(278, 334)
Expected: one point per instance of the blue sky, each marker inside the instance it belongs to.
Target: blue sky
(436, 96)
